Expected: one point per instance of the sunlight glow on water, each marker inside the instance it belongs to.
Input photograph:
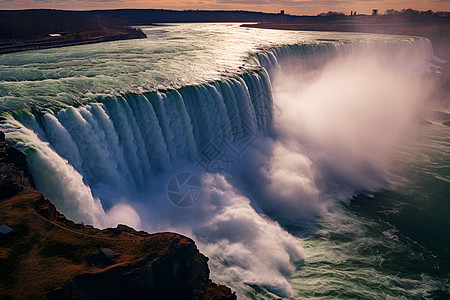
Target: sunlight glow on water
(172, 56)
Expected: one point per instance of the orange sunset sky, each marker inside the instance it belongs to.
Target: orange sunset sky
(298, 7)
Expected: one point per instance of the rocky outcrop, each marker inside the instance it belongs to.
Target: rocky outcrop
(180, 273)
(51, 257)
(216, 292)
(10, 158)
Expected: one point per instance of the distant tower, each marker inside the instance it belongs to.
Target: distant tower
(283, 17)
(351, 13)
(374, 12)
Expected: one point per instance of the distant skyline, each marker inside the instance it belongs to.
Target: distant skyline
(296, 7)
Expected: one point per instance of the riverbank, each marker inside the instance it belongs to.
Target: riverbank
(60, 41)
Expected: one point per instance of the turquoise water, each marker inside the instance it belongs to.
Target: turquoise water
(363, 203)
(393, 244)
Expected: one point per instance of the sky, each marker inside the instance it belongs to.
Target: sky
(296, 7)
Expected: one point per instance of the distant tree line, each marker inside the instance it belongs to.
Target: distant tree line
(416, 13)
(397, 13)
(35, 24)
(331, 14)
(149, 16)
(29, 24)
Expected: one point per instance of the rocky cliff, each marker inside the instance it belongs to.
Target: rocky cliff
(48, 256)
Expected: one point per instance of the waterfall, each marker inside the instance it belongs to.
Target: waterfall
(276, 58)
(124, 141)
(109, 162)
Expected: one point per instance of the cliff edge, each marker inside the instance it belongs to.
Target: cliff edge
(45, 256)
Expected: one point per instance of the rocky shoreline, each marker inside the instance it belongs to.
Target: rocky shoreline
(46, 256)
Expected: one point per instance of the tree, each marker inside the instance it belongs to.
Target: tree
(331, 14)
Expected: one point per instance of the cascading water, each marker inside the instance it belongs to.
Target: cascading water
(123, 142)
(99, 162)
(258, 149)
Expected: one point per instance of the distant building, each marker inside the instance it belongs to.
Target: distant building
(4, 230)
(283, 17)
(374, 12)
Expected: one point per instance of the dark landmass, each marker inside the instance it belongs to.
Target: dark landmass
(150, 16)
(47, 256)
(40, 29)
(62, 41)
(22, 30)
(39, 23)
(33, 27)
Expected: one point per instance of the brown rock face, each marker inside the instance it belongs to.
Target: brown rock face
(216, 292)
(50, 257)
(181, 273)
